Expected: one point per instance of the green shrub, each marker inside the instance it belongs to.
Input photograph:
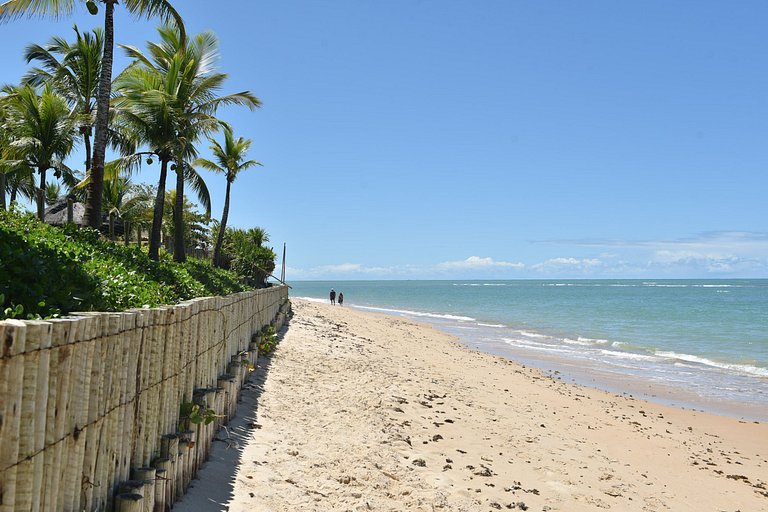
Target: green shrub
(244, 254)
(46, 271)
(268, 340)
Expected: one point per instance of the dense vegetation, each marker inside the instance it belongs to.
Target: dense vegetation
(48, 271)
(68, 108)
(155, 111)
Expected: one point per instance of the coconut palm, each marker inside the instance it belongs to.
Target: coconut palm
(136, 210)
(42, 134)
(176, 87)
(16, 176)
(196, 230)
(115, 194)
(75, 75)
(230, 161)
(13, 9)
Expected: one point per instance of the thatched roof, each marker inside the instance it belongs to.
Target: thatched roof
(57, 214)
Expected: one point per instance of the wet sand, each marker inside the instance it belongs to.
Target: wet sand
(362, 411)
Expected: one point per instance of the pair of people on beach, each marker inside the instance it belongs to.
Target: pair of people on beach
(333, 297)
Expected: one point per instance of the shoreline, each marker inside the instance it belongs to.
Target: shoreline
(599, 378)
(366, 411)
(594, 374)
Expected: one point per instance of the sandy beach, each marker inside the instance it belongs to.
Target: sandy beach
(360, 411)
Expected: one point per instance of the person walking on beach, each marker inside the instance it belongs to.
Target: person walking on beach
(341, 299)
(333, 296)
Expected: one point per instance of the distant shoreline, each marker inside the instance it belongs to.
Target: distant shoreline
(668, 375)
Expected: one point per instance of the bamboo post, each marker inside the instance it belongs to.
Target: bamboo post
(181, 467)
(152, 433)
(188, 350)
(132, 383)
(47, 476)
(131, 487)
(63, 333)
(148, 476)
(95, 425)
(101, 450)
(142, 377)
(76, 416)
(206, 359)
(210, 400)
(169, 449)
(13, 344)
(162, 483)
(223, 384)
(29, 475)
(162, 375)
(124, 419)
(194, 347)
(170, 373)
(129, 502)
(108, 459)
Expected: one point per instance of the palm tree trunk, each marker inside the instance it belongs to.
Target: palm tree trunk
(179, 252)
(2, 191)
(86, 131)
(96, 185)
(126, 232)
(111, 226)
(41, 196)
(157, 217)
(222, 229)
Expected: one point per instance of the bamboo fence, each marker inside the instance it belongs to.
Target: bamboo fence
(90, 404)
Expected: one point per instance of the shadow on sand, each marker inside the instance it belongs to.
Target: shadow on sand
(213, 486)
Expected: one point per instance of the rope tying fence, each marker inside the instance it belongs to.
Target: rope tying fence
(90, 404)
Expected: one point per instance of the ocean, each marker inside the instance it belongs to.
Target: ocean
(700, 344)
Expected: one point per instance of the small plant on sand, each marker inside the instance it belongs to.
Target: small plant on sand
(244, 361)
(191, 413)
(268, 340)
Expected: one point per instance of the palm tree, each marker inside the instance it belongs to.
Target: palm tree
(175, 86)
(115, 194)
(75, 76)
(42, 134)
(13, 9)
(196, 230)
(229, 161)
(136, 210)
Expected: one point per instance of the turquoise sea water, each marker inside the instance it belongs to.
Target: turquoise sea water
(697, 343)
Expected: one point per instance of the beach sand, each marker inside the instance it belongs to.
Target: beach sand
(359, 411)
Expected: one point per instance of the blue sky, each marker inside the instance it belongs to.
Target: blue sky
(493, 139)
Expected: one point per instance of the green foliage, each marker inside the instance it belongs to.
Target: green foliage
(268, 340)
(17, 311)
(48, 271)
(220, 281)
(191, 413)
(244, 254)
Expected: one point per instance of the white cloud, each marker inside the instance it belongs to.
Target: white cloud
(715, 254)
(343, 271)
(476, 262)
(568, 265)
(723, 252)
